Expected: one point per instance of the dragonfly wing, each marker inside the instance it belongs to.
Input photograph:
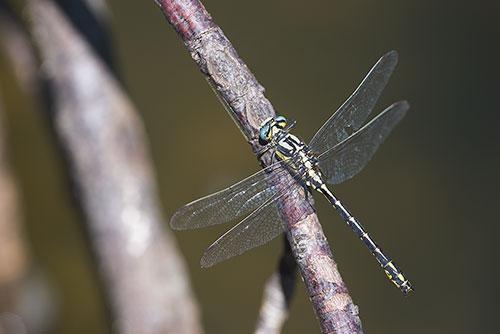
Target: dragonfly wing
(260, 227)
(353, 113)
(350, 156)
(230, 203)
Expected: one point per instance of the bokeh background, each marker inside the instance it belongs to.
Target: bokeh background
(429, 196)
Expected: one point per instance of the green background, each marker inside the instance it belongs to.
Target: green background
(428, 196)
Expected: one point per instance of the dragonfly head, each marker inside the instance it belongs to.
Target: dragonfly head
(270, 128)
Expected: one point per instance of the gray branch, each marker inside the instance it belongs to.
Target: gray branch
(104, 143)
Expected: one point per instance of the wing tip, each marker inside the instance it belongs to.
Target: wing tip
(175, 223)
(205, 263)
(402, 105)
(393, 55)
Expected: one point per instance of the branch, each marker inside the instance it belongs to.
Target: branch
(217, 59)
(109, 165)
(278, 292)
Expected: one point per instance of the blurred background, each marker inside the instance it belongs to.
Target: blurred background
(428, 196)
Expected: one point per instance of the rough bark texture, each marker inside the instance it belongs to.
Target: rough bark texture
(109, 165)
(217, 59)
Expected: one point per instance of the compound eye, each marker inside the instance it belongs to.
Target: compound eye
(280, 122)
(265, 134)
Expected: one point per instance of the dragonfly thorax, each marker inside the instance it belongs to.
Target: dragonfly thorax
(291, 150)
(299, 158)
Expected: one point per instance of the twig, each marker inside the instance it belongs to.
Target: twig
(278, 292)
(217, 59)
(104, 143)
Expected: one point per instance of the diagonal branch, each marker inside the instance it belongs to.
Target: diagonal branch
(102, 137)
(217, 59)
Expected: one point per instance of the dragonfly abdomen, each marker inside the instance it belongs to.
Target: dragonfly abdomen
(390, 268)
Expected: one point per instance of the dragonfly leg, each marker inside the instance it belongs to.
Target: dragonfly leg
(262, 151)
(290, 126)
(272, 158)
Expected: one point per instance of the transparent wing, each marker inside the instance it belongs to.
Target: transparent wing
(350, 156)
(260, 227)
(353, 113)
(230, 203)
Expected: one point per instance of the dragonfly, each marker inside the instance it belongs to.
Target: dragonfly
(338, 151)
